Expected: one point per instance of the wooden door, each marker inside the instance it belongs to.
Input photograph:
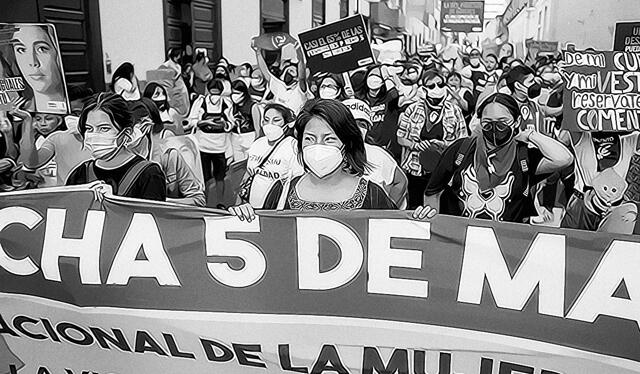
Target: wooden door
(205, 27)
(77, 24)
(173, 35)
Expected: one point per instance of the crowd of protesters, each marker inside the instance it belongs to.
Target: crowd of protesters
(477, 136)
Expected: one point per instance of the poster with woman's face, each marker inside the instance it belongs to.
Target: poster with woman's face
(31, 68)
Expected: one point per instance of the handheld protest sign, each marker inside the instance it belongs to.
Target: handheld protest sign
(537, 48)
(627, 37)
(273, 41)
(602, 91)
(33, 68)
(337, 47)
(462, 15)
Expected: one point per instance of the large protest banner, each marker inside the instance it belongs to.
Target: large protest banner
(337, 47)
(602, 91)
(627, 37)
(127, 286)
(462, 15)
(32, 68)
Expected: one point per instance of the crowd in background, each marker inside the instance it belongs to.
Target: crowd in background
(479, 135)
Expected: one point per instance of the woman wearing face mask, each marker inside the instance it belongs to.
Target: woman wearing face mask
(381, 94)
(290, 89)
(168, 115)
(489, 175)
(462, 95)
(183, 187)
(271, 158)
(331, 87)
(108, 129)
(425, 129)
(258, 88)
(525, 89)
(409, 89)
(334, 159)
(125, 83)
(213, 116)
(246, 120)
(222, 73)
(178, 92)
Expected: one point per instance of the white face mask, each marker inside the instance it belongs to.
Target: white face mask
(237, 98)
(374, 82)
(102, 146)
(328, 93)
(273, 132)
(256, 82)
(437, 93)
(322, 159)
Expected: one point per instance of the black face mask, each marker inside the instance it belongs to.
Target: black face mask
(162, 105)
(288, 78)
(497, 138)
(534, 90)
(221, 76)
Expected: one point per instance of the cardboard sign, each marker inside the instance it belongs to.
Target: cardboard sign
(537, 48)
(602, 91)
(462, 15)
(627, 37)
(32, 68)
(337, 47)
(273, 41)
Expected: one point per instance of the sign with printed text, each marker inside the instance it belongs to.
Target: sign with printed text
(602, 91)
(337, 47)
(627, 37)
(462, 15)
(32, 68)
(130, 286)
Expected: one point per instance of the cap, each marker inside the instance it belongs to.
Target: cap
(359, 109)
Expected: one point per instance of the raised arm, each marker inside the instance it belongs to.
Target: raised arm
(556, 156)
(262, 64)
(302, 67)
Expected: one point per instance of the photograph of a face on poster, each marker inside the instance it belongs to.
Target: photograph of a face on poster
(31, 68)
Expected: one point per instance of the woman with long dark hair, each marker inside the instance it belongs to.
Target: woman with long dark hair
(107, 128)
(332, 151)
(246, 120)
(490, 174)
(271, 158)
(125, 83)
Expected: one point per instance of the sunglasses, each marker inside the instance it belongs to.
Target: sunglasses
(497, 125)
(433, 85)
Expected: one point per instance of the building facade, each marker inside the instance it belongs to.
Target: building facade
(586, 23)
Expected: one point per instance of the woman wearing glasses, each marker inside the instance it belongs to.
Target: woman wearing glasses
(489, 175)
(425, 129)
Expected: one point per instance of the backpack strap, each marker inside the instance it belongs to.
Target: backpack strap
(91, 171)
(131, 176)
(523, 161)
(463, 151)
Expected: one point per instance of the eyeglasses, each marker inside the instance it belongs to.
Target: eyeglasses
(433, 85)
(488, 125)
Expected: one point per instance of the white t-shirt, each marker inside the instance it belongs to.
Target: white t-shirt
(68, 150)
(291, 97)
(281, 165)
(128, 90)
(382, 166)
